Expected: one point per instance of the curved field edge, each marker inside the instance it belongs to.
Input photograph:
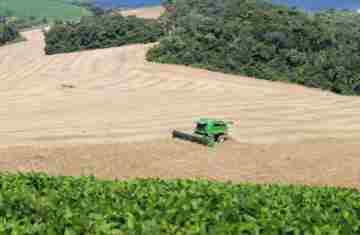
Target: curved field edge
(66, 205)
(264, 111)
(258, 39)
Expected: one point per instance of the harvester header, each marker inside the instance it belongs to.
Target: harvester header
(207, 131)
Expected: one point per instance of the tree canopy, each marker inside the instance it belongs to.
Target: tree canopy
(258, 39)
(8, 33)
(102, 31)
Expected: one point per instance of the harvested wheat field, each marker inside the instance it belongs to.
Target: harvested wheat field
(110, 113)
(146, 12)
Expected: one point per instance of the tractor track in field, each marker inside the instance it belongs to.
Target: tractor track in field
(320, 162)
(121, 103)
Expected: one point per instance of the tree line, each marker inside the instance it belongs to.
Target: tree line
(8, 32)
(108, 30)
(258, 39)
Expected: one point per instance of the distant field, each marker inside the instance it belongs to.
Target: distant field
(51, 9)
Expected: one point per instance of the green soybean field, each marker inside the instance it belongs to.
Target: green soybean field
(39, 204)
(50, 9)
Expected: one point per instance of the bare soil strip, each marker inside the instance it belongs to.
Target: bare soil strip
(325, 162)
(146, 12)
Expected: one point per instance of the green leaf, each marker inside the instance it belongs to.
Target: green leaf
(69, 231)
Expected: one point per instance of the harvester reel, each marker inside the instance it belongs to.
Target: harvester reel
(193, 138)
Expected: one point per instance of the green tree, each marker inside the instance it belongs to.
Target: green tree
(256, 38)
(101, 32)
(8, 33)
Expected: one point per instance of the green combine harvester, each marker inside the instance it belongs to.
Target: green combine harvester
(207, 132)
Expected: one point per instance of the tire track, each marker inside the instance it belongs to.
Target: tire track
(117, 91)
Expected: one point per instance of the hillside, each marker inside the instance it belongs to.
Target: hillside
(147, 12)
(50, 9)
(258, 39)
(80, 101)
(109, 113)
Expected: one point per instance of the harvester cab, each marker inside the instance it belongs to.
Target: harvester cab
(207, 132)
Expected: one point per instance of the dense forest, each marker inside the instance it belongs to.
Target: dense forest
(256, 38)
(102, 31)
(8, 33)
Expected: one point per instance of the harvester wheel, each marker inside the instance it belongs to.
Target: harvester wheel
(221, 138)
